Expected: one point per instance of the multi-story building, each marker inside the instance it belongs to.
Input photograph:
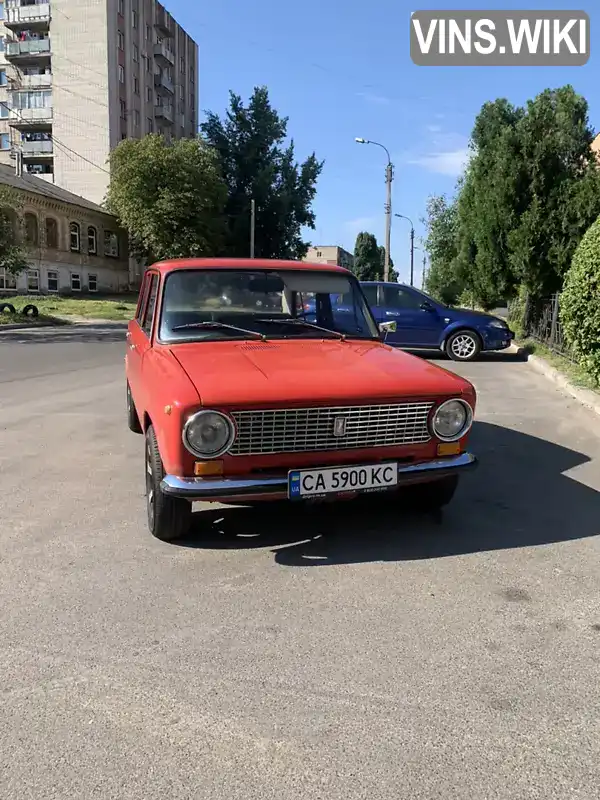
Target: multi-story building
(330, 254)
(72, 245)
(77, 77)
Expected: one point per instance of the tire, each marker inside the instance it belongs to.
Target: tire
(463, 345)
(7, 307)
(169, 518)
(432, 496)
(133, 421)
(30, 311)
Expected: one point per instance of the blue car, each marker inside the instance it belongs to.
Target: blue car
(425, 323)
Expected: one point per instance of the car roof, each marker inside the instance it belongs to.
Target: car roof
(242, 263)
(383, 283)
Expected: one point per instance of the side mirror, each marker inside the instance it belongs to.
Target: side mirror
(388, 327)
(427, 306)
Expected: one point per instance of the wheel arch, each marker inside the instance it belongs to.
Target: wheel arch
(459, 329)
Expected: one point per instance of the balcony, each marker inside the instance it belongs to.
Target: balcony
(163, 21)
(164, 112)
(29, 49)
(37, 150)
(44, 176)
(163, 55)
(19, 15)
(19, 82)
(30, 117)
(164, 83)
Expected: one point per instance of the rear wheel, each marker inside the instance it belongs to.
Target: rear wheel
(133, 421)
(169, 518)
(463, 346)
(432, 496)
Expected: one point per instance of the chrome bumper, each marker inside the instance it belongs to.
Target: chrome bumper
(213, 488)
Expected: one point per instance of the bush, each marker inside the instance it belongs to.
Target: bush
(580, 303)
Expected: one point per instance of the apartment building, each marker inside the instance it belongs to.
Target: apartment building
(77, 76)
(330, 254)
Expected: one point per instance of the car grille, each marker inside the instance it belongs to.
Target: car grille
(304, 430)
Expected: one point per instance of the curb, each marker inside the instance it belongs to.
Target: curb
(93, 323)
(586, 397)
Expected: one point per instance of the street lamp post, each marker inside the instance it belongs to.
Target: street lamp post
(389, 177)
(412, 247)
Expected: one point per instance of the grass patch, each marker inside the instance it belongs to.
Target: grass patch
(576, 374)
(32, 322)
(118, 307)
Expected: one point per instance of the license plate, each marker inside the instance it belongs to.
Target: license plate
(339, 480)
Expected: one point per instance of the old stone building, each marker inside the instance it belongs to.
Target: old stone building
(72, 244)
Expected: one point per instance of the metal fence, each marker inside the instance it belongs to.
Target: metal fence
(546, 328)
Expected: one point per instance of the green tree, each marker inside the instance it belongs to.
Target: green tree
(169, 197)
(12, 255)
(580, 302)
(393, 276)
(368, 265)
(441, 224)
(258, 164)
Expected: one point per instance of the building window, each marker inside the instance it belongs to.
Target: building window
(3, 79)
(120, 40)
(8, 281)
(148, 33)
(52, 280)
(92, 283)
(121, 74)
(182, 65)
(149, 94)
(33, 280)
(133, 18)
(75, 233)
(136, 117)
(122, 7)
(192, 74)
(4, 112)
(51, 233)
(75, 282)
(136, 53)
(31, 229)
(149, 124)
(123, 109)
(4, 141)
(92, 241)
(136, 84)
(111, 244)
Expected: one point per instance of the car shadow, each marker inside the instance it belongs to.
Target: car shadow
(501, 356)
(519, 497)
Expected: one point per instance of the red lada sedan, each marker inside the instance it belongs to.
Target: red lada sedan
(242, 399)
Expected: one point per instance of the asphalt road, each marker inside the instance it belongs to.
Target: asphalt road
(336, 654)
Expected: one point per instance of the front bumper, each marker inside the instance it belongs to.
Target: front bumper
(275, 488)
(498, 340)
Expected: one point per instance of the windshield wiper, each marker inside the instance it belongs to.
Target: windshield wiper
(341, 336)
(215, 324)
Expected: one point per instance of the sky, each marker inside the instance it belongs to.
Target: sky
(341, 70)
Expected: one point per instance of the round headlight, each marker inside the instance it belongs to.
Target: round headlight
(452, 420)
(208, 434)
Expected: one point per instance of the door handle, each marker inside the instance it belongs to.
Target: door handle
(132, 347)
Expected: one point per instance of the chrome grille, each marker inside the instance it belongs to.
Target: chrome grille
(302, 430)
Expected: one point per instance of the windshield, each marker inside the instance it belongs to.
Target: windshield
(277, 304)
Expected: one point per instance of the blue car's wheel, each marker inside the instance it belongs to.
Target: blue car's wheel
(463, 346)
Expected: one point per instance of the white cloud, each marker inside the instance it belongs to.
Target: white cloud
(374, 99)
(434, 128)
(451, 162)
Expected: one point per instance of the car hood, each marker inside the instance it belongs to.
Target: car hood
(228, 374)
(469, 313)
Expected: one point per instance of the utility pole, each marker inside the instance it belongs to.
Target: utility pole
(389, 177)
(424, 273)
(252, 226)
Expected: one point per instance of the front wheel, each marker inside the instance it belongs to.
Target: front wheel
(169, 518)
(434, 495)
(463, 346)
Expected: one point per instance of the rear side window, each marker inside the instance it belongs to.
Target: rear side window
(370, 294)
(142, 299)
(149, 316)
